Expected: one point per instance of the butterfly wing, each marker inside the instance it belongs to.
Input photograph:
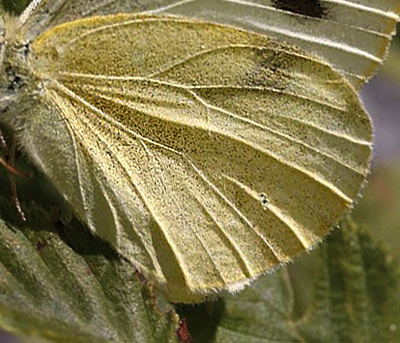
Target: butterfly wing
(206, 155)
(40, 15)
(353, 36)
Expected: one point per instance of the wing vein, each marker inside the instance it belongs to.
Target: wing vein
(316, 178)
(210, 87)
(278, 133)
(100, 138)
(233, 207)
(211, 185)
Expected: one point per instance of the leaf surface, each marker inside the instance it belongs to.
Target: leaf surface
(60, 284)
(347, 291)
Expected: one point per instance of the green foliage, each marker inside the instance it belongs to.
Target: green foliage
(55, 287)
(61, 284)
(379, 208)
(352, 286)
(14, 6)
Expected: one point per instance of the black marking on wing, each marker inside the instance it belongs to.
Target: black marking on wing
(310, 8)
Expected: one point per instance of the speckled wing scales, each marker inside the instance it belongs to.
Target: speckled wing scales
(40, 15)
(352, 35)
(206, 155)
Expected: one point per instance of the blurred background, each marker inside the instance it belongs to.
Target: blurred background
(379, 205)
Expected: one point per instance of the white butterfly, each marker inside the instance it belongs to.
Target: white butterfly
(205, 154)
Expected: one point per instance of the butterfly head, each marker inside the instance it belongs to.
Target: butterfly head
(15, 70)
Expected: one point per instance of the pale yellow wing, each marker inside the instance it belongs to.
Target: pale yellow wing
(353, 36)
(206, 155)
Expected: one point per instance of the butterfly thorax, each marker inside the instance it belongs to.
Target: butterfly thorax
(20, 80)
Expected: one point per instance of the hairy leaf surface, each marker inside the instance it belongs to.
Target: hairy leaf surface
(347, 291)
(60, 284)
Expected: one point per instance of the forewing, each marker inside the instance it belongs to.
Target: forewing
(206, 155)
(40, 15)
(353, 36)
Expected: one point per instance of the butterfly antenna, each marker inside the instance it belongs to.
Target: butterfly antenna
(28, 12)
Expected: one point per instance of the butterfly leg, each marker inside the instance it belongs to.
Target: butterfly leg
(14, 193)
(12, 171)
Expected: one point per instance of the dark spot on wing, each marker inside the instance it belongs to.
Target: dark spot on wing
(264, 200)
(310, 8)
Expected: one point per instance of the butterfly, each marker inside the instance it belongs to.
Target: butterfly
(204, 151)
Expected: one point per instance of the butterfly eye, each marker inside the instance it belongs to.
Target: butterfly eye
(264, 200)
(23, 50)
(14, 81)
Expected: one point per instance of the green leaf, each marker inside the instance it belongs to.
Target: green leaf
(14, 6)
(378, 208)
(347, 291)
(60, 284)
